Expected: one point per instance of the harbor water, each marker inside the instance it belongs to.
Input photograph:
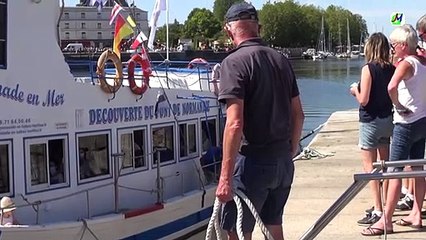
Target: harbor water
(324, 88)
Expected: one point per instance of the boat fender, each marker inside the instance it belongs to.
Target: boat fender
(143, 61)
(198, 61)
(100, 71)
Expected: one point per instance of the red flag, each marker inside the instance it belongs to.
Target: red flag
(122, 30)
(114, 12)
(139, 39)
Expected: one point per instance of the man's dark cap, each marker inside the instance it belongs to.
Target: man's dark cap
(241, 11)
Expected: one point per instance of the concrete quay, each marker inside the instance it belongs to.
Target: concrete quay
(319, 182)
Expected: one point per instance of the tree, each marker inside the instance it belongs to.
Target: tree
(175, 32)
(220, 7)
(201, 25)
(289, 24)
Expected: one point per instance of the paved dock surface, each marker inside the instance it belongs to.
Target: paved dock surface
(319, 182)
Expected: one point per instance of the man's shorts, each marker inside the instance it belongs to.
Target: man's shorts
(376, 133)
(267, 183)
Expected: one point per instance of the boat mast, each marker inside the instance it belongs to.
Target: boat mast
(340, 37)
(167, 30)
(349, 38)
(321, 41)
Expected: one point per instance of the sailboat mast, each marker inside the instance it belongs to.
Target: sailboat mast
(323, 35)
(321, 40)
(340, 37)
(349, 37)
(167, 29)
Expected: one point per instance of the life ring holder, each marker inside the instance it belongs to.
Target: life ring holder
(143, 61)
(100, 71)
(198, 61)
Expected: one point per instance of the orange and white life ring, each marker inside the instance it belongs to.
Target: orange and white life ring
(143, 61)
(198, 62)
(100, 71)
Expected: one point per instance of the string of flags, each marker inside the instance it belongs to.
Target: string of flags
(123, 27)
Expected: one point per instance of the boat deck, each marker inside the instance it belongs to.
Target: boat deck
(319, 182)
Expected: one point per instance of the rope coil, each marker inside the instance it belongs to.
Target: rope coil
(310, 153)
(214, 219)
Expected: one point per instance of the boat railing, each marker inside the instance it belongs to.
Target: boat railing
(117, 174)
(360, 181)
(84, 71)
(36, 204)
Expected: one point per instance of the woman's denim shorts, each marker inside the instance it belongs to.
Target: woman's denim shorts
(376, 133)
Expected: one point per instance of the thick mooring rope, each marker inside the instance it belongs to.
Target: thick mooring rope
(214, 219)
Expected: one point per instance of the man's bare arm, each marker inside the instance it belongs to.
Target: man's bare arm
(231, 143)
(297, 118)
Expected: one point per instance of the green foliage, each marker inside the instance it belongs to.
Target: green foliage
(284, 24)
(201, 25)
(289, 24)
(220, 7)
(175, 32)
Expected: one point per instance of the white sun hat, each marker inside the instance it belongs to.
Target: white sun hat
(7, 205)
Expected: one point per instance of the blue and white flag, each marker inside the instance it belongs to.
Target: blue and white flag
(98, 3)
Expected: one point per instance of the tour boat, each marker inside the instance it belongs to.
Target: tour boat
(89, 158)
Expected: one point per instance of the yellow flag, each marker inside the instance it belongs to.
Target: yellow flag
(130, 21)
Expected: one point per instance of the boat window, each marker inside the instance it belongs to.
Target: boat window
(3, 32)
(133, 145)
(5, 169)
(93, 156)
(188, 143)
(163, 137)
(47, 162)
(208, 134)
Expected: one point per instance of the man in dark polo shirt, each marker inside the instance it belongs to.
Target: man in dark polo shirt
(264, 119)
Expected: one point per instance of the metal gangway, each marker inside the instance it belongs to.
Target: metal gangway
(360, 181)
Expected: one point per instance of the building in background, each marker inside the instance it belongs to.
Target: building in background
(109, 3)
(84, 24)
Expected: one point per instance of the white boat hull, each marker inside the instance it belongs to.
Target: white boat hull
(178, 217)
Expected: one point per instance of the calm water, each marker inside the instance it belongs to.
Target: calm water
(324, 88)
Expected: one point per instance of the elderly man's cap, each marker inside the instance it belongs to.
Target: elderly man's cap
(241, 11)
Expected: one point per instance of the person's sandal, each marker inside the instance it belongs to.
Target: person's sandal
(373, 231)
(404, 223)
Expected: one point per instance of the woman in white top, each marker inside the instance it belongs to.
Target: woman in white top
(407, 91)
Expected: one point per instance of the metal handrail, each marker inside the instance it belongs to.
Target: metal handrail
(360, 181)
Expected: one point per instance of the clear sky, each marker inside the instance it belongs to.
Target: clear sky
(375, 12)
